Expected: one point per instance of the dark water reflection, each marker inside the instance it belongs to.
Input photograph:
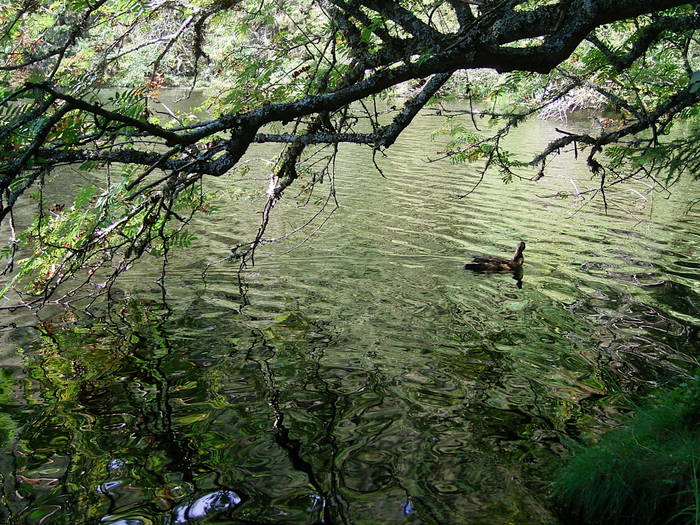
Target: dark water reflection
(257, 426)
(371, 379)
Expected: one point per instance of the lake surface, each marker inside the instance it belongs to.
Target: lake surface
(369, 378)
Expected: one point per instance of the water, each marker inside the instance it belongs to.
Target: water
(370, 379)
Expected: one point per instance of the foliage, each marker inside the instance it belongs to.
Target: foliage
(308, 76)
(645, 472)
(86, 239)
(8, 427)
(591, 79)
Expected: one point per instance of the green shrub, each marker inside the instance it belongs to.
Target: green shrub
(643, 473)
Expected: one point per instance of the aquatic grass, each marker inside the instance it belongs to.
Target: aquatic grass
(643, 473)
(691, 511)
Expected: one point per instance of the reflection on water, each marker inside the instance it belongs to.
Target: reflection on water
(219, 501)
(371, 379)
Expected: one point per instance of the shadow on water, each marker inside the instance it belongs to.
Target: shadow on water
(148, 419)
(370, 379)
(152, 423)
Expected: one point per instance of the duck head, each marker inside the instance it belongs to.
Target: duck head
(518, 257)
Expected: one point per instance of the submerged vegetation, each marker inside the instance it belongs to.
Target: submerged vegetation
(645, 473)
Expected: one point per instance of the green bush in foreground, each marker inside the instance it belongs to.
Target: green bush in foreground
(644, 473)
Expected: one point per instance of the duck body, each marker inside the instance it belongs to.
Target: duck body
(498, 264)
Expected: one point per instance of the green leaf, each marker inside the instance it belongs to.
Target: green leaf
(87, 193)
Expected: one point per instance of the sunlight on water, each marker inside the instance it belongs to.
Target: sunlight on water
(371, 379)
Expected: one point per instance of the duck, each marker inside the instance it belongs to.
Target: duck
(498, 264)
